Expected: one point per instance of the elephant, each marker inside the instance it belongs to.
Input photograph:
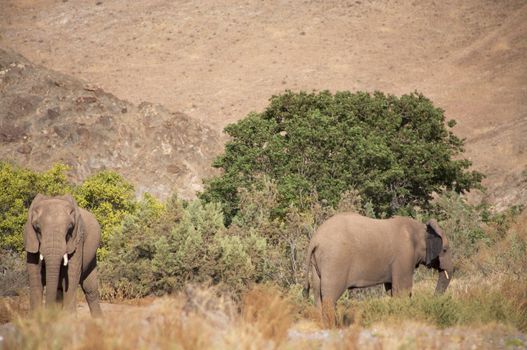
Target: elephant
(353, 251)
(61, 240)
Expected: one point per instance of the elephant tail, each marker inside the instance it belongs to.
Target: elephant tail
(311, 249)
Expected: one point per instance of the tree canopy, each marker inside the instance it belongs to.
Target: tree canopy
(395, 151)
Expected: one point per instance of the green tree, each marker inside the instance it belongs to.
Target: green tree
(394, 151)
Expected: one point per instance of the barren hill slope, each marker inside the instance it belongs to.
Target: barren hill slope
(48, 117)
(218, 60)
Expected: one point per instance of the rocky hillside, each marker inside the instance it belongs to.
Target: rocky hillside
(218, 60)
(48, 117)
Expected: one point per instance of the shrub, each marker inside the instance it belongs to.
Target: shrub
(110, 198)
(507, 255)
(18, 188)
(13, 275)
(462, 223)
(107, 194)
(157, 253)
(395, 151)
(286, 239)
(187, 242)
(183, 254)
(241, 261)
(127, 270)
(474, 231)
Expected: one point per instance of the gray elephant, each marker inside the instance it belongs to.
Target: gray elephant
(61, 241)
(352, 251)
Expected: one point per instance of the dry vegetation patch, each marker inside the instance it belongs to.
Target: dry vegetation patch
(265, 318)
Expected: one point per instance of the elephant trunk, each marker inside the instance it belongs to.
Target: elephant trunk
(446, 270)
(53, 263)
(52, 249)
(443, 281)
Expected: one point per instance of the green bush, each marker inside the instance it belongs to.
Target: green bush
(127, 270)
(18, 188)
(241, 261)
(463, 224)
(110, 198)
(183, 253)
(158, 252)
(395, 151)
(472, 228)
(107, 194)
(507, 254)
(189, 243)
(286, 238)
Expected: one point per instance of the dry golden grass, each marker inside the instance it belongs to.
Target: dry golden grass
(197, 318)
(11, 307)
(202, 318)
(269, 312)
(266, 319)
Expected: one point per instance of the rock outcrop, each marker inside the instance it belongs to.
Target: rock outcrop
(47, 117)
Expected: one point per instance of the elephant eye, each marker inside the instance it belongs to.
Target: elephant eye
(36, 227)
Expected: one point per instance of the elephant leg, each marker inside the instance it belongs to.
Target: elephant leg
(72, 273)
(402, 281)
(331, 292)
(60, 295)
(329, 317)
(402, 291)
(36, 285)
(316, 287)
(91, 291)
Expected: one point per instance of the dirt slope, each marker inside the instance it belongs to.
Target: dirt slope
(48, 117)
(218, 60)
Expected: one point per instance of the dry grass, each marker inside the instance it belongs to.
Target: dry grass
(197, 318)
(269, 312)
(12, 307)
(203, 318)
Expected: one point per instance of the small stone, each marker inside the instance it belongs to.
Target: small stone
(25, 148)
(53, 113)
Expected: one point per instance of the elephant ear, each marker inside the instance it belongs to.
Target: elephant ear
(434, 241)
(31, 242)
(78, 226)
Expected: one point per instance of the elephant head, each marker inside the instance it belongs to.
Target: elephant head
(53, 232)
(438, 255)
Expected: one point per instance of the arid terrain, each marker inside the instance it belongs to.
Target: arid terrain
(146, 87)
(47, 117)
(216, 61)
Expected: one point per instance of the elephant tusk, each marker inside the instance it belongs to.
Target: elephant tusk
(446, 274)
(41, 257)
(66, 259)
